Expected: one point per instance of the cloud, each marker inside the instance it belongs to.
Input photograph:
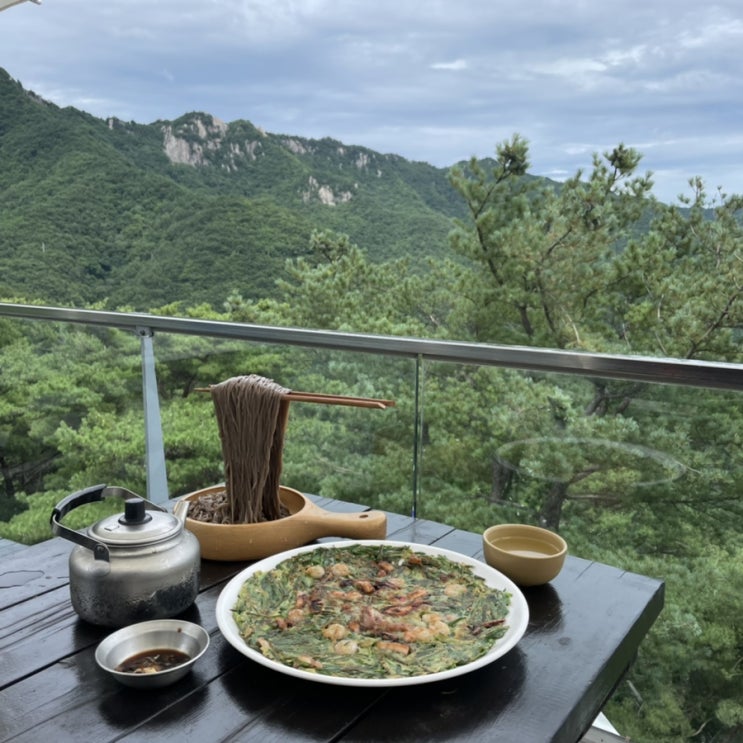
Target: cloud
(710, 36)
(457, 64)
(439, 81)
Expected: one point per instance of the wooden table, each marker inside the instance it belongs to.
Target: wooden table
(584, 631)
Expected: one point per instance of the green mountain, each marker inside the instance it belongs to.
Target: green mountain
(141, 215)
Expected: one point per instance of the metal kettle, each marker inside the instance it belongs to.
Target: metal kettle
(131, 567)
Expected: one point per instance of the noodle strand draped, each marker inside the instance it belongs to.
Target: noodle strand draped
(252, 413)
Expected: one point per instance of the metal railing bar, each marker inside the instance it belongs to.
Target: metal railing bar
(707, 374)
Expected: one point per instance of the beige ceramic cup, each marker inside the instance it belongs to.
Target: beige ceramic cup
(528, 555)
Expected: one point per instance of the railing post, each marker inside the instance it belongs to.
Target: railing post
(417, 433)
(157, 481)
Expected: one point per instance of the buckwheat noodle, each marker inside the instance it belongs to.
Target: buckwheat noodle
(251, 414)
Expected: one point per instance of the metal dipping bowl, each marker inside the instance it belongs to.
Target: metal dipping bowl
(158, 634)
(528, 555)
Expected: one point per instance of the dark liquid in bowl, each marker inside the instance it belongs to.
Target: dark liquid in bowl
(153, 661)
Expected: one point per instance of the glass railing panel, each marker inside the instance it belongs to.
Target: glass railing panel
(354, 454)
(71, 416)
(556, 449)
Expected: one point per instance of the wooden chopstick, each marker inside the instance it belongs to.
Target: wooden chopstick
(318, 397)
(358, 402)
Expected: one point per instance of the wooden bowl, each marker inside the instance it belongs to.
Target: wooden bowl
(528, 555)
(305, 523)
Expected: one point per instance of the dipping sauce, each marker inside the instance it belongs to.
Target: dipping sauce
(153, 661)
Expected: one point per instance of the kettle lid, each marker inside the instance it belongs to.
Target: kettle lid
(138, 525)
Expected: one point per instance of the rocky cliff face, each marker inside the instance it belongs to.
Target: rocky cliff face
(190, 142)
(201, 140)
(325, 193)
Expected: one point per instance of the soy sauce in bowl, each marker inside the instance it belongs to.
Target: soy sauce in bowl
(152, 654)
(153, 661)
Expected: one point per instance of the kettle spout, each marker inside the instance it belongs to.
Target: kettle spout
(180, 511)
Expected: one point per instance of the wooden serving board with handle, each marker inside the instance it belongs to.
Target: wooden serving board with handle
(306, 522)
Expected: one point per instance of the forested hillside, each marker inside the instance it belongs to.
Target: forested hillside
(141, 215)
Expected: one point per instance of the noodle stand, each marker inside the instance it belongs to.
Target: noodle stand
(300, 521)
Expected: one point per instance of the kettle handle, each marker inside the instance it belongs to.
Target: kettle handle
(80, 498)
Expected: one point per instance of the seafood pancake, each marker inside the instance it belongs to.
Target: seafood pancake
(370, 611)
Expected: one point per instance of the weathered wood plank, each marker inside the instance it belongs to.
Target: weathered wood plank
(583, 632)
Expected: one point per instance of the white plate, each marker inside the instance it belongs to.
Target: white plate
(516, 620)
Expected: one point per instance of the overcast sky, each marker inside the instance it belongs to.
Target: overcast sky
(431, 80)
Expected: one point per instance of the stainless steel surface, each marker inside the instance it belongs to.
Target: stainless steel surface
(715, 375)
(150, 569)
(157, 523)
(171, 634)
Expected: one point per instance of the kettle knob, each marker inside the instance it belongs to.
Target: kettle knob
(134, 512)
(133, 515)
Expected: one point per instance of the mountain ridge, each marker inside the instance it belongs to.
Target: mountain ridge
(142, 215)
